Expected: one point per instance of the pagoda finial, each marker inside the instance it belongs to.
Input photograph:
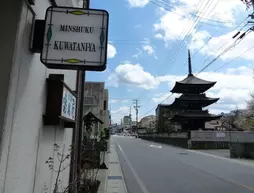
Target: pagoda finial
(189, 63)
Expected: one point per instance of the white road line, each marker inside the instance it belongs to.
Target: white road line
(222, 158)
(139, 181)
(156, 146)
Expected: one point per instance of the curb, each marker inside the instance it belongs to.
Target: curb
(123, 178)
(115, 182)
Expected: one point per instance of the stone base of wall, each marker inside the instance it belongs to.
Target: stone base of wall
(242, 150)
(208, 145)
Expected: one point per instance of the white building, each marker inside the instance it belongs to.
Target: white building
(126, 122)
(148, 122)
(133, 123)
(25, 142)
(96, 101)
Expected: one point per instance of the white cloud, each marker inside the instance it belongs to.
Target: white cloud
(138, 3)
(233, 86)
(111, 51)
(183, 14)
(114, 101)
(132, 74)
(158, 36)
(216, 45)
(148, 48)
(139, 52)
(168, 98)
(119, 113)
(165, 25)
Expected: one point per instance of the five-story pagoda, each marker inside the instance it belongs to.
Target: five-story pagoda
(189, 106)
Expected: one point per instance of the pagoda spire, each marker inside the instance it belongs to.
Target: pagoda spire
(189, 63)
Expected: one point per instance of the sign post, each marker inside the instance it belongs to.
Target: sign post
(75, 38)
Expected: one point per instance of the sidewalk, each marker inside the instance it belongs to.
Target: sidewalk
(112, 180)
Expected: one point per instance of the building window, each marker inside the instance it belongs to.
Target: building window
(88, 100)
(105, 105)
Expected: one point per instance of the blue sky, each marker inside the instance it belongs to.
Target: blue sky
(147, 51)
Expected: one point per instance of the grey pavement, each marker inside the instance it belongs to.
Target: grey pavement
(157, 168)
(102, 176)
(219, 152)
(112, 179)
(226, 154)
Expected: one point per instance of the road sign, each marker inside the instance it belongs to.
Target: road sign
(75, 38)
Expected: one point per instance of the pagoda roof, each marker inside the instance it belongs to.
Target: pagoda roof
(199, 115)
(191, 79)
(198, 97)
(202, 99)
(191, 82)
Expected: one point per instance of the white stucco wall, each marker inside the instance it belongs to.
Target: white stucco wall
(26, 144)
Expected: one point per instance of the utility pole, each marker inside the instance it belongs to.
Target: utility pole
(136, 107)
(130, 116)
(75, 171)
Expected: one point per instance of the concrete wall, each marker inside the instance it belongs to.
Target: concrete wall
(104, 112)
(100, 94)
(204, 139)
(148, 122)
(26, 144)
(223, 136)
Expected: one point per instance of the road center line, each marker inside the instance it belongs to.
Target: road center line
(156, 146)
(139, 181)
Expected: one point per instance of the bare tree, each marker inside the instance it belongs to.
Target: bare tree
(233, 121)
(88, 170)
(250, 105)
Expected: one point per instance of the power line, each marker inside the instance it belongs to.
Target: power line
(170, 8)
(159, 103)
(186, 31)
(223, 52)
(219, 55)
(183, 35)
(236, 42)
(233, 59)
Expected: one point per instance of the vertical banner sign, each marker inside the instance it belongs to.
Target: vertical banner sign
(75, 38)
(68, 105)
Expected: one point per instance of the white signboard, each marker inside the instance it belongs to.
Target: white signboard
(75, 38)
(68, 105)
(220, 134)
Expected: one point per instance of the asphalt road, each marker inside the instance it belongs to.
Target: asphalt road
(157, 168)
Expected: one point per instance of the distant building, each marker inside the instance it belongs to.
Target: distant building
(163, 115)
(213, 125)
(96, 101)
(127, 122)
(134, 123)
(148, 122)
